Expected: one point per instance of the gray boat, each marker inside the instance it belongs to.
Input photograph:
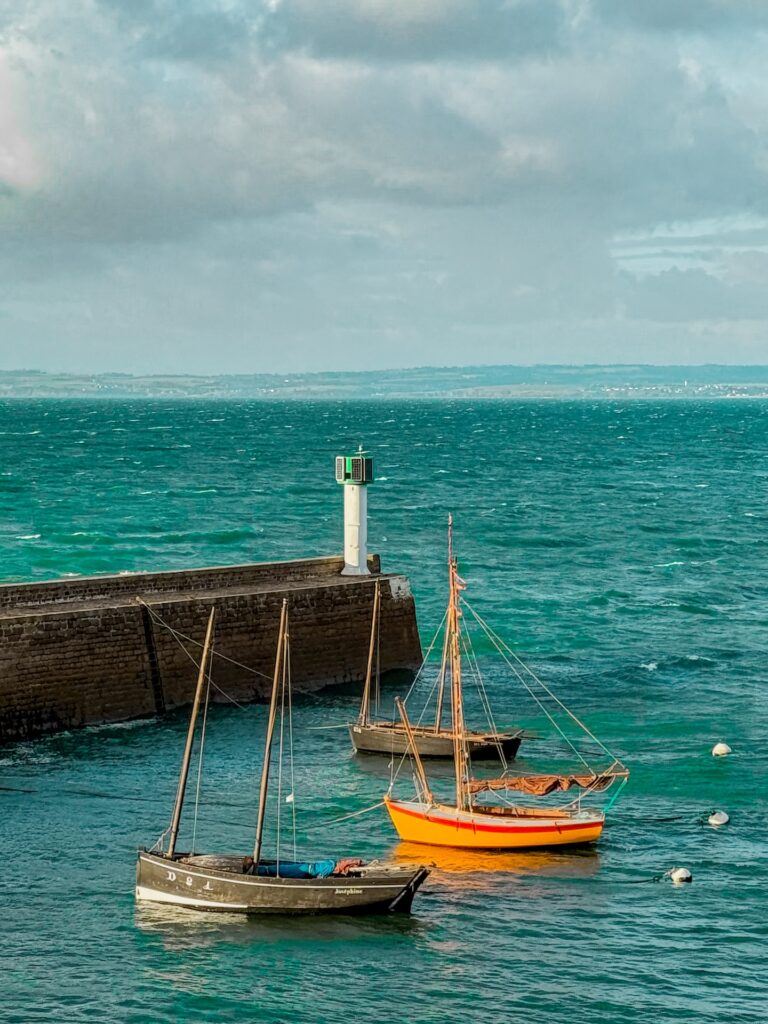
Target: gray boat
(232, 883)
(384, 736)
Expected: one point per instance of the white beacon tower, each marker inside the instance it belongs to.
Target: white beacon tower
(355, 472)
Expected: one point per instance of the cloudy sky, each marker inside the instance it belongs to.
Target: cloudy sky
(291, 185)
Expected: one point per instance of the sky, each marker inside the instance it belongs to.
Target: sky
(200, 186)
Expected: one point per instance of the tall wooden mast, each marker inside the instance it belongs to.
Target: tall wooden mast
(364, 718)
(279, 663)
(184, 773)
(460, 757)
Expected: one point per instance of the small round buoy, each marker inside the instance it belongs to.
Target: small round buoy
(721, 749)
(718, 818)
(680, 875)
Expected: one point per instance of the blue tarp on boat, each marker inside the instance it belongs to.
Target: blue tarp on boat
(297, 869)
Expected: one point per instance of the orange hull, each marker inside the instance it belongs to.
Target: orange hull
(440, 825)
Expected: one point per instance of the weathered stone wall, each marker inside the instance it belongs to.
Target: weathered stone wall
(88, 651)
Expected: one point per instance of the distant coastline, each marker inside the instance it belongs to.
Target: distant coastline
(593, 382)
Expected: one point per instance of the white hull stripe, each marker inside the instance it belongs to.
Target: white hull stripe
(155, 896)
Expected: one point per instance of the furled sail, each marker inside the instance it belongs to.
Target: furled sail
(541, 785)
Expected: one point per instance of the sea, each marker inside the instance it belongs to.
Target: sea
(619, 547)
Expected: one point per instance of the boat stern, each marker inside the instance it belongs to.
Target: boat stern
(401, 904)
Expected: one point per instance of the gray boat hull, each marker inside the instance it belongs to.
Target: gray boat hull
(186, 883)
(388, 738)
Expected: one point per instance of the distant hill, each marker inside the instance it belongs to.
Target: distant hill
(520, 382)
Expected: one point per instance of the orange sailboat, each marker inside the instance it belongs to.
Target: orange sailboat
(467, 822)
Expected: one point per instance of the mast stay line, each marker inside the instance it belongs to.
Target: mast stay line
(270, 730)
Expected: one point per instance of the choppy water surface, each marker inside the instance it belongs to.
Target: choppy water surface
(623, 548)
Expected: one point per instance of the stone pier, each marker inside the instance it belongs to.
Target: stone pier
(91, 650)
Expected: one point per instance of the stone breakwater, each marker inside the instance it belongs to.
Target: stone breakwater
(90, 651)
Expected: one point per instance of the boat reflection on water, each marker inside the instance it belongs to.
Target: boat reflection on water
(180, 929)
(449, 861)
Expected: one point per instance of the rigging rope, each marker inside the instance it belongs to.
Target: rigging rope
(394, 772)
(290, 750)
(407, 751)
(200, 755)
(496, 643)
(286, 655)
(377, 691)
(176, 634)
(425, 659)
(499, 644)
(474, 668)
(189, 639)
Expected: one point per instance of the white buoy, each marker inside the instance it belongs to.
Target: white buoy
(680, 875)
(721, 750)
(718, 818)
(289, 798)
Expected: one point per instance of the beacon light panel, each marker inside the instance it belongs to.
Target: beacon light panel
(354, 469)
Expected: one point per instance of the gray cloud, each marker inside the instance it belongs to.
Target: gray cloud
(680, 296)
(683, 15)
(419, 29)
(390, 175)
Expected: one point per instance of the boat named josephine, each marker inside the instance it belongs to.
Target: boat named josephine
(252, 884)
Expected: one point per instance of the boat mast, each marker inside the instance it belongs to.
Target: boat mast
(364, 718)
(184, 773)
(422, 775)
(279, 661)
(460, 758)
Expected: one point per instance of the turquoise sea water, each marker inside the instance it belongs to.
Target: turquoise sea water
(621, 547)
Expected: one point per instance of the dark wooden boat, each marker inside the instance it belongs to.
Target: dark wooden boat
(383, 736)
(227, 883)
(223, 887)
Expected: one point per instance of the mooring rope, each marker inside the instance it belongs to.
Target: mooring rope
(344, 817)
